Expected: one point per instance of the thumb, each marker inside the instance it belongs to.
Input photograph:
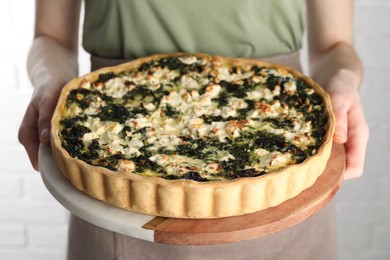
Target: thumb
(44, 120)
(340, 134)
(44, 135)
(341, 130)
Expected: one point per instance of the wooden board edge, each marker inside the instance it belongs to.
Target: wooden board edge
(163, 235)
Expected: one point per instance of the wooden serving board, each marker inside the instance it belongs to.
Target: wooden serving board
(198, 231)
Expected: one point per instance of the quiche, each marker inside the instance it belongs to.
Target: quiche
(192, 135)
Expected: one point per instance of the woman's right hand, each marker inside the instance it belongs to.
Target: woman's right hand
(35, 127)
(52, 62)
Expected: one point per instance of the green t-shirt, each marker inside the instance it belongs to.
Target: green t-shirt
(247, 28)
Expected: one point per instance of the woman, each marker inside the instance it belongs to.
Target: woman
(116, 31)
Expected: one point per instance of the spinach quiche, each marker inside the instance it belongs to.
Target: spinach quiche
(192, 135)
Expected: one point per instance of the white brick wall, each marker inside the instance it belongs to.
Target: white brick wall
(34, 226)
(363, 205)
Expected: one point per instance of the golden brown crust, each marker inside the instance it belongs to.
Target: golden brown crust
(153, 195)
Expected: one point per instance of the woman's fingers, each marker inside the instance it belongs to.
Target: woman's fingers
(355, 147)
(29, 134)
(351, 127)
(35, 127)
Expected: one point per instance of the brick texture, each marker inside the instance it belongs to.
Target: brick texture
(33, 225)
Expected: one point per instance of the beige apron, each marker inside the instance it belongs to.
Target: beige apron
(315, 238)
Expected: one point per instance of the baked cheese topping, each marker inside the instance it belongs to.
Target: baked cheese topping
(194, 117)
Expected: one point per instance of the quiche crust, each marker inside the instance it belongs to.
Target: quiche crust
(181, 198)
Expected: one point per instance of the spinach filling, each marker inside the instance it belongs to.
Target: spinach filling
(172, 63)
(143, 163)
(170, 111)
(237, 90)
(240, 148)
(73, 144)
(114, 112)
(104, 77)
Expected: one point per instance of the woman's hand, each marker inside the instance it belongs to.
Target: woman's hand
(335, 65)
(351, 127)
(52, 62)
(35, 127)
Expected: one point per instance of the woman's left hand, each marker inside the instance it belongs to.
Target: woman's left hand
(351, 126)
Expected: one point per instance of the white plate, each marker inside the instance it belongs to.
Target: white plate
(86, 207)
